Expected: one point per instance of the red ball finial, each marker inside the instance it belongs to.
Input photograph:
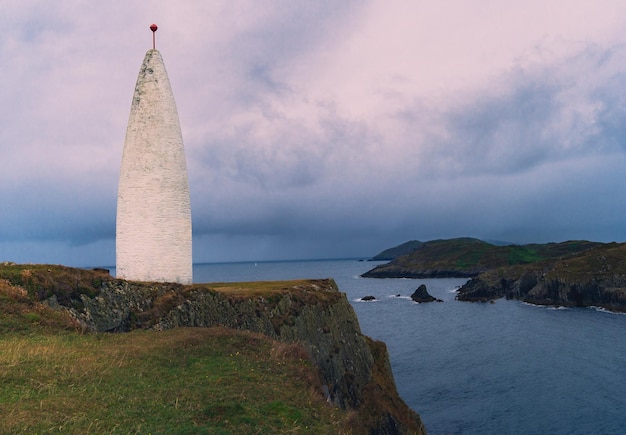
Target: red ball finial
(154, 28)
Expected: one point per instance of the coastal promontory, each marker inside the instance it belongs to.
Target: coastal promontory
(467, 257)
(575, 273)
(305, 323)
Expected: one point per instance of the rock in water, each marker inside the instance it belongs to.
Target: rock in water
(153, 232)
(421, 295)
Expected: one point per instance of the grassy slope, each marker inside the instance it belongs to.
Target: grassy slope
(472, 256)
(186, 380)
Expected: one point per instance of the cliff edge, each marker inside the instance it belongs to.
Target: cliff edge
(354, 370)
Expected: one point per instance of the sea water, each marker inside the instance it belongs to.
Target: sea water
(478, 368)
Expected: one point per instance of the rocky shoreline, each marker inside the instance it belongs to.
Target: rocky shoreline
(572, 274)
(596, 279)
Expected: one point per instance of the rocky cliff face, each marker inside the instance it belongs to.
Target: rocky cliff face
(534, 287)
(597, 278)
(355, 370)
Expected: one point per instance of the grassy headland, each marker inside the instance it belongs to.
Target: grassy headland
(271, 357)
(574, 273)
(466, 257)
(183, 380)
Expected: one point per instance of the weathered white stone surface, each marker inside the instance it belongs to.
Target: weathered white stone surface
(153, 240)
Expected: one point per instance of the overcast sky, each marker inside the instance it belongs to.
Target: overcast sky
(319, 129)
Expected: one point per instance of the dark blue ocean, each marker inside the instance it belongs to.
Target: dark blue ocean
(470, 368)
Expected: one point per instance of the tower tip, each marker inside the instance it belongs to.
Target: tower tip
(154, 28)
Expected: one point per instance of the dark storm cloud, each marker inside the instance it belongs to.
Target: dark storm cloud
(537, 159)
(46, 211)
(320, 129)
(555, 113)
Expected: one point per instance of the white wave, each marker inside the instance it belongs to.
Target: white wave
(547, 307)
(604, 310)
(361, 300)
(399, 297)
(561, 307)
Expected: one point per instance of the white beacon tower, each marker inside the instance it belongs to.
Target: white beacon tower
(153, 229)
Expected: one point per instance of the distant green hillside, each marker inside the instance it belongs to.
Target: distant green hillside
(466, 257)
(397, 251)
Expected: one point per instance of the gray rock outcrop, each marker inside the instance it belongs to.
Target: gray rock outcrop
(541, 287)
(421, 295)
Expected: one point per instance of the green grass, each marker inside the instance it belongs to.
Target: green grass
(523, 255)
(472, 255)
(186, 380)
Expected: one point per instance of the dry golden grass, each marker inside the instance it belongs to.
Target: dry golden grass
(14, 292)
(259, 288)
(306, 291)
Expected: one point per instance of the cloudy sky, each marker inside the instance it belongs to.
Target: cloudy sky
(319, 129)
